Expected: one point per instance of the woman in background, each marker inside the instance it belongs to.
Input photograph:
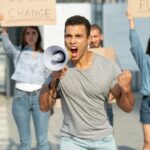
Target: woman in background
(29, 75)
(143, 61)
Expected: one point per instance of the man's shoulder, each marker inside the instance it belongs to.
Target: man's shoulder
(102, 59)
(105, 62)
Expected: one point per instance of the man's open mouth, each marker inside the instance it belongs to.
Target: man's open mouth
(74, 51)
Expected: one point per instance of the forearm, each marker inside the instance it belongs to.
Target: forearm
(126, 101)
(53, 90)
(47, 96)
(136, 48)
(124, 98)
(48, 93)
(132, 24)
(10, 49)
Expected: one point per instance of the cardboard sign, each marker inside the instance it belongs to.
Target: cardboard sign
(27, 12)
(106, 52)
(139, 8)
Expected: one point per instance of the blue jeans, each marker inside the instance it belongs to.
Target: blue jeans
(74, 143)
(26, 104)
(145, 110)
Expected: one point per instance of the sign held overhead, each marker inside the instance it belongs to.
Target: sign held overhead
(28, 12)
(140, 8)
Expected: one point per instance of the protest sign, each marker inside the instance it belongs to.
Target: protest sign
(27, 12)
(139, 8)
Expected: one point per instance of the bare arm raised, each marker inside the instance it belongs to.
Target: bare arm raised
(4, 29)
(122, 91)
(131, 19)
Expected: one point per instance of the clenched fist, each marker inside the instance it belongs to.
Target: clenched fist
(124, 81)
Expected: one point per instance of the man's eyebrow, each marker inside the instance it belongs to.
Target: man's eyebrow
(67, 34)
(79, 34)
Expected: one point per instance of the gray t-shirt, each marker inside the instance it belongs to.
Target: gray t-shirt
(83, 95)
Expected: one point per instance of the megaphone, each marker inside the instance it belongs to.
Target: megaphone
(55, 57)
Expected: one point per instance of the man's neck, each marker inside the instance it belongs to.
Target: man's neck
(85, 62)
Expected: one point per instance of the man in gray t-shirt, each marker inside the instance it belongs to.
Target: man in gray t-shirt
(83, 86)
(96, 36)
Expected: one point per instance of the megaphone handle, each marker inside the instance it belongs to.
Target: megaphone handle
(57, 82)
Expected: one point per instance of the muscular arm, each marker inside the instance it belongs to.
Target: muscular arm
(122, 92)
(47, 96)
(125, 100)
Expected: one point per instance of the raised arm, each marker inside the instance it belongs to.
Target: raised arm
(131, 19)
(122, 91)
(136, 47)
(10, 49)
(47, 96)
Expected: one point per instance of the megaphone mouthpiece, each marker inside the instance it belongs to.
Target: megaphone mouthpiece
(55, 57)
(58, 57)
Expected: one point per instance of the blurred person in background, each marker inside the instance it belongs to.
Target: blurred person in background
(143, 61)
(96, 41)
(96, 35)
(29, 75)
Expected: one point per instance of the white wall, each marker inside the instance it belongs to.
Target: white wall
(53, 34)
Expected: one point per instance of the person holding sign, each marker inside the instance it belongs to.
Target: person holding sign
(143, 61)
(29, 75)
(96, 35)
(83, 86)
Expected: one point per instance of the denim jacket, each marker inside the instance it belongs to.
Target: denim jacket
(27, 68)
(143, 61)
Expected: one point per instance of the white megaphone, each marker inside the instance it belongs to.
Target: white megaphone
(55, 57)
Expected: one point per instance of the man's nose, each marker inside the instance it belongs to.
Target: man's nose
(73, 40)
(92, 38)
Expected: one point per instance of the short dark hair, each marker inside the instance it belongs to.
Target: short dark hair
(78, 20)
(95, 26)
(148, 47)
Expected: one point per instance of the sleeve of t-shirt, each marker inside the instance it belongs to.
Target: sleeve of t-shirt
(10, 49)
(115, 73)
